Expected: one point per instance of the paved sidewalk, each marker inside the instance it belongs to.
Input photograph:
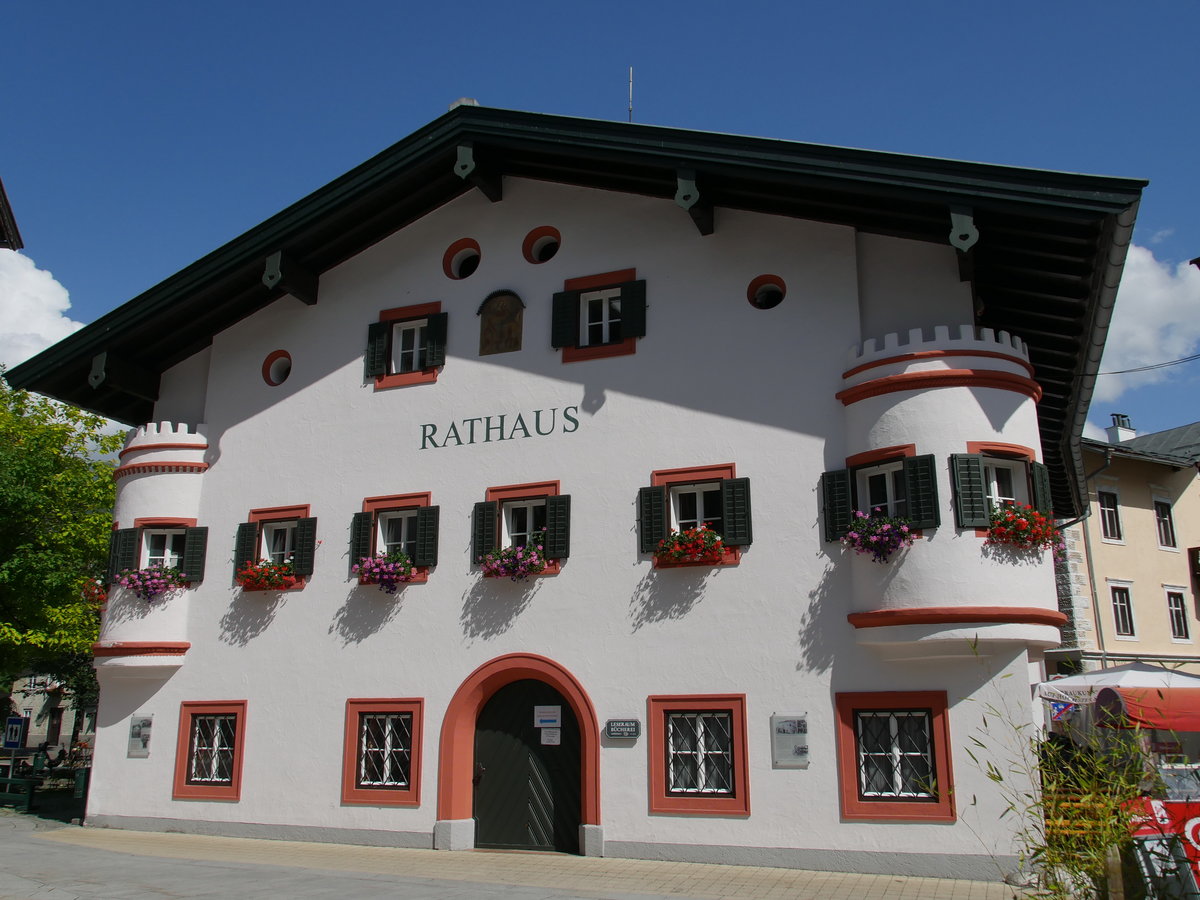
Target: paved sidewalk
(46, 861)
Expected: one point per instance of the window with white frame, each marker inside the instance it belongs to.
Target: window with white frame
(1165, 523)
(693, 505)
(279, 541)
(699, 752)
(884, 488)
(397, 532)
(408, 346)
(1110, 515)
(600, 317)
(1177, 611)
(895, 754)
(1122, 602)
(1006, 481)
(211, 749)
(384, 750)
(523, 520)
(163, 548)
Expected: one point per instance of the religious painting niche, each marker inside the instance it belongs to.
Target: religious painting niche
(500, 322)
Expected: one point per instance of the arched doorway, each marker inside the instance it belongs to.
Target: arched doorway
(456, 758)
(526, 776)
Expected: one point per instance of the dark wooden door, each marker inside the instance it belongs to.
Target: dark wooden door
(526, 791)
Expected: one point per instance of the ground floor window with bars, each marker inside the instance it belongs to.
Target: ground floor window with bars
(700, 752)
(209, 751)
(893, 755)
(382, 752)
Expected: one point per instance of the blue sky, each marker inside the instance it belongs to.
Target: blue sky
(139, 136)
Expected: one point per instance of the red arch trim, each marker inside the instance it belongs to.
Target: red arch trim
(937, 354)
(456, 755)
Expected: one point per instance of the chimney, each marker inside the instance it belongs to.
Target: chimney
(1120, 429)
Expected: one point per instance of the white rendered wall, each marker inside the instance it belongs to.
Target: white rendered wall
(714, 381)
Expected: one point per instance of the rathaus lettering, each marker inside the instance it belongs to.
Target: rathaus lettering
(485, 429)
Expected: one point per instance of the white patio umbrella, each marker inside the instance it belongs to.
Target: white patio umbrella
(1084, 687)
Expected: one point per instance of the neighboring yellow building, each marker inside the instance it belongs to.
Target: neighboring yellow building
(1129, 582)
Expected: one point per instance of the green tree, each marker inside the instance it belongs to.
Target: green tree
(56, 499)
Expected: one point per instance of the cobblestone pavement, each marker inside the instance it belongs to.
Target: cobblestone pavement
(48, 860)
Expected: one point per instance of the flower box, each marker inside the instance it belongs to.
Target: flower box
(152, 581)
(514, 563)
(1022, 527)
(879, 535)
(699, 546)
(265, 575)
(387, 570)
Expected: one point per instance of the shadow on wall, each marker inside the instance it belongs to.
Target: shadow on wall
(248, 616)
(823, 620)
(492, 605)
(131, 607)
(366, 610)
(122, 697)
(667, 594)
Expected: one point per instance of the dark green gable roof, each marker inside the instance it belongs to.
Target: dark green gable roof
(1046, 266)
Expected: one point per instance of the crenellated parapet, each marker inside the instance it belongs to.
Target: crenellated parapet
(164, 447)
(966, 338)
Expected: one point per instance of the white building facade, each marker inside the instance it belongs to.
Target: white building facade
(514, 345)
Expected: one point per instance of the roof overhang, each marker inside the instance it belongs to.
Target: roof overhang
(1046, 264)
(10, 237)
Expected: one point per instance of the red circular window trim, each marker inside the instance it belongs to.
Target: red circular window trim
(531, 240)
(762, 281)
(270, 361)
(454, 251)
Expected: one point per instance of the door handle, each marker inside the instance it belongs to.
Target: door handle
(479, 770)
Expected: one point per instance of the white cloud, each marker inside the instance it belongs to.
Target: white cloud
(1161, 235)
(1157, 319)
(33, 309)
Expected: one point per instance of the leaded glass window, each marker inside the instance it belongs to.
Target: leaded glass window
(700, 752)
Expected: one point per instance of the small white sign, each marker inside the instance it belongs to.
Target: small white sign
(547, 717)
(551, 737)
(789, 741)
(139, 736)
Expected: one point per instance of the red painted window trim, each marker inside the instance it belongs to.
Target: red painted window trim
(278, 514)
(696, 475)
(396, 503)
(410, 796)
(856, 808)
(534, 490)
(880, 456)
(188, 708)
(699, 804)
(628, 346)
(1002, 451)
(429, 374)
(163, 522)
(941, 378)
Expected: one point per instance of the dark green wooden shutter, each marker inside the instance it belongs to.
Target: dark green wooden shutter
(564, 323)
(633, 309)
(483, 528)
(304, 560)
(1043, 502)
(558, 527)
(652, 517)
(921, 478)
(427, 536)
(970, 493)
(122, 551)
(435, 339)
(245, 545)
(735, 500)
(362, 528)
(195, 548)
(375, 360)
(837, 505)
